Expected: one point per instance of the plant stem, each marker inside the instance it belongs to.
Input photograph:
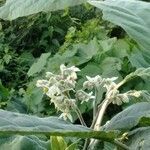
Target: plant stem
(101, 114)
(94, 105)
(120, 144)
(77, 110)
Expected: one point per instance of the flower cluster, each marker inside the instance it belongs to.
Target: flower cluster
(57, 87)
(111, 87)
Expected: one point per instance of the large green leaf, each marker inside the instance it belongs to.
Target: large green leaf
(141, 72)
(19, 142)
(139, 139)
(39, 65)
(16, 8)
(130, 117)
(132, 16)
(15, 123)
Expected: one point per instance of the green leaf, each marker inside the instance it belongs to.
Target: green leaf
(72, 146)
(144, 121)
(76, 55)
(4, 93)
(129, 117)
(111, 67)
(15, 123)
(109, 146)
(19, 142)
(139, 139)
(132, 16)
(137, 59)
(141, 72)
(13, 9)
(39, 65)
(33, 99)
(58, 143)
(107, 44)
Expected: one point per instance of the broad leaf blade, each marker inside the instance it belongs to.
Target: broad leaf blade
(15, 123)
(39, 65)
(13, 9)
(130, 117)
(139, 139)
(141, 72)
(132, 16)
(23, 142)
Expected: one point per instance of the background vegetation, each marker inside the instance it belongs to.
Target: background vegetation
(30, 46)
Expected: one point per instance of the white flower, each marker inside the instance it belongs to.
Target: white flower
(135, 93)
(120, 98)
(66, 116)
(92, 82)
(117, 101)
(83, 96)
(71, 72)
(42, 83)
(125, 98)
(49, 75)
(53, 91)
(109, 83)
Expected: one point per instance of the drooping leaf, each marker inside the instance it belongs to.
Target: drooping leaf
(13, 9)
(129, 117)
(39, 65)
(15, 123)
(141, 72)
(132, 16)
(19, 142)
(139, 139)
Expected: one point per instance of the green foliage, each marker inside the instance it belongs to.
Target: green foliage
(141, 72)
(139, 138)
(35, 7)
(32, 45)
(134, 21)
(39, 65)
(32, 125)
(130, 117)
(58, 143)
(19, 142)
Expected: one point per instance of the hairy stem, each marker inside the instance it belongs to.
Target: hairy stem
(94, 105)
(77, 110)
(121, 145)
(101, 114)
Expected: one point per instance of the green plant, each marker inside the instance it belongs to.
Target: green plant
(92, 47)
